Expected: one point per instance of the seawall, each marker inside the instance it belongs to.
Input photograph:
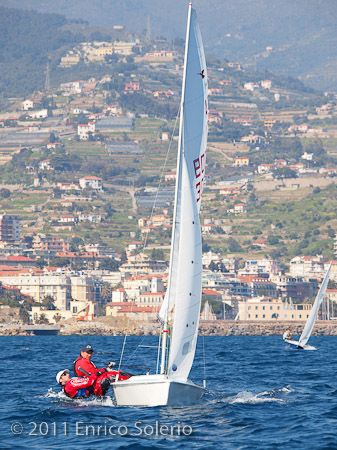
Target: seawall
(107, 327)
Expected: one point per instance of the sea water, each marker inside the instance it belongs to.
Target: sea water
(261, 395)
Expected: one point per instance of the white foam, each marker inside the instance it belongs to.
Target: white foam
(252, 398)
(52, 394)
(84, 402)
(286, 390)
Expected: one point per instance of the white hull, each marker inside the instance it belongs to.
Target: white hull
(156, 390)
(298, 345)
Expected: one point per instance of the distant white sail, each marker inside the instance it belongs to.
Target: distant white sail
(184, 289)
(305, 336)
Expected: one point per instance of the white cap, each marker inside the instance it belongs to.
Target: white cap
(60, 373)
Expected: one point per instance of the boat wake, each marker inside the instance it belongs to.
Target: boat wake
(248, 397)
(60, 396)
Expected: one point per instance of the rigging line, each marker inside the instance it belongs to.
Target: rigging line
(135, 350)
(122, 353)
(158, 355)
(203, 351)
(161, 176)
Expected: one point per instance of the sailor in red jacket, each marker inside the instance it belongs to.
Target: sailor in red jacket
(83, 366)
(84, 386)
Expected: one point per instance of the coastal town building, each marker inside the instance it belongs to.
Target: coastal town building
(98, 51)
(78, 310)
(263, 309)
(307, 266)
(143, 267)
(70, 59)
(40, 315)
(38, 114)
(296, 288)
(10, 228)
(241, 161)
(118, 295)
(85, 130)
(124, 48)
(157, 57)
(151, 298)
(133, 311)
(27, 105)
(260, 266)
(91, 182)
(84, 289)
(43, 243)
(60, 287)
(56, 286)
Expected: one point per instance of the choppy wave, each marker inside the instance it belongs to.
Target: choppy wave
(258, 390)
(92, 401)
(274, 395)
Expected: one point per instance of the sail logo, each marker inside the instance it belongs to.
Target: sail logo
(199, 172)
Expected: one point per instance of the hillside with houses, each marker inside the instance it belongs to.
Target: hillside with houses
(87, 177)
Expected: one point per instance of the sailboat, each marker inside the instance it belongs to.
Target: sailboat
(180, 310)
(302, 343)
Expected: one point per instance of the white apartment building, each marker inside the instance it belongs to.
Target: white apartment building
(27, 105)
(83, 288)
(40, 114)
(266, 84)
(258, 266)
(40, 286)
(118, 295)
(91, 182)
(84, 129)
(62, 288)
(307, 266)
(138, 286)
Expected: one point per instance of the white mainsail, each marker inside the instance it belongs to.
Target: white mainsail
(184, 287)
(306, 333)
(183, 298)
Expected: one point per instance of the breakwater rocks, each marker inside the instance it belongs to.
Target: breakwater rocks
(108, 327)
(263, 328)
(16, 329)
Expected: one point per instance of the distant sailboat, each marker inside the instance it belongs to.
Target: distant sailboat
(181, 308)
(306, 333)
(207, 312)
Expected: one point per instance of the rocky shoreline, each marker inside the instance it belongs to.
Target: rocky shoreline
(109, 327)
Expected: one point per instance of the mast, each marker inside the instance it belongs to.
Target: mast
(175, 238)
(186, 270)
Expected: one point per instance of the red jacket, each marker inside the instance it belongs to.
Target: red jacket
(84, 368)
(74, 385)
(85, 386)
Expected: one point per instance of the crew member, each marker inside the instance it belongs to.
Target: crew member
(287, 335)
(83, 366)
(84, 386)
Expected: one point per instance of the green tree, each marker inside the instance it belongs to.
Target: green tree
(48, 302)
(284, 172)
(75, 243)
(157, 254)
(43, 320)
(5, 193)
(24, 314)
(233, 246)
(109, 264)
(273, 240)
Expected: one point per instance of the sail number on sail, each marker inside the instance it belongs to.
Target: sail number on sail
(199, 171)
